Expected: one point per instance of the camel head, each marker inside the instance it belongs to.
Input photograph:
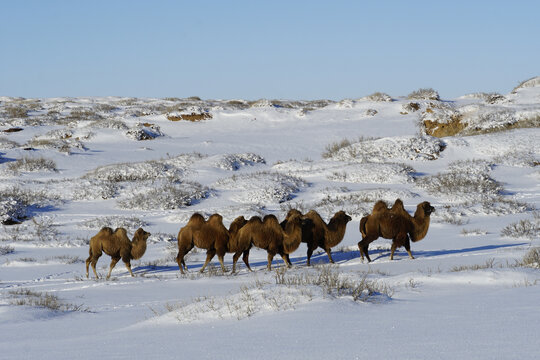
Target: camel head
(427, 208)
(140, 234)
(342, 216)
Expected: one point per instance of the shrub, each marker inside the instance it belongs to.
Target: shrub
(333, 148)
(144, 131)
(27, 297)
(424, 94)
(167, 197)
(16, 112)
(378, 96)
(95, 189)
(523, 228)
(532, 258)
(5, 250)
(131, 223)
(32, 164)
(236, 161)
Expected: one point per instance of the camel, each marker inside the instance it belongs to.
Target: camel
(326, 236)
(116, 244)
(316, 233)
(267, 234)
(214, 237)
(379, 206)
(239, 245)
(210, 235)
(395, 225)
(185, 238)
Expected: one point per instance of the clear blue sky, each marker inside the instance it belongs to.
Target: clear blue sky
(265, 49)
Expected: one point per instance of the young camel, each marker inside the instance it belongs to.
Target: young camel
(116, 244)
(399, 227)
(267, 234)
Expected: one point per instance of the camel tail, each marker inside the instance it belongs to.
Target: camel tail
(363, 222)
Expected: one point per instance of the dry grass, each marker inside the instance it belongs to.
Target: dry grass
(27, 297)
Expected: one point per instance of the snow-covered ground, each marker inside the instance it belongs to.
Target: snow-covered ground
(70, 166)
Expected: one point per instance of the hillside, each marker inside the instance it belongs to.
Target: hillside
(70, 166)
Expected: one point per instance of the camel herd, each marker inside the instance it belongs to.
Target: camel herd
(269, 234)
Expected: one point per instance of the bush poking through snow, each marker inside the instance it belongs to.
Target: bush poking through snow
(424, 94)
(130, 223)
(15, 202)
(532, 258)
(167, 197)
(384, 149)
(234, 162)
(466, 179)
(523, 228)
(27, 297)
(31, 164)
(5, 250)
(144, 131)
(377, 96)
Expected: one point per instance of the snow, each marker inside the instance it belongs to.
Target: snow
(466, 294)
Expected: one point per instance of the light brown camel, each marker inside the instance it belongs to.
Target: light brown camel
(214, 237)
(397, 226)
(210, 235)
(185, 238)
(116, 244)
(379, 206)
(238, 245)
(267, 234)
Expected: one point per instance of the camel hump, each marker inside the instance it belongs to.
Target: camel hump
(196, 217)
(380, 206)
(270, 219)
(120, 231)
(106, 230)
(293, 212)
(215, 218)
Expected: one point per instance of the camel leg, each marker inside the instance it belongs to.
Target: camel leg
(234, 260)
(286, 260)
(308, 255)
(180, 261)
(329, 255)
(93, 263)
(392, 250)
(88, 264)
(113, 264)
(209, 256)
(246, 259)
(363, 247)
(128, 266)
(220, 258)
(407, 246)
(270, 258)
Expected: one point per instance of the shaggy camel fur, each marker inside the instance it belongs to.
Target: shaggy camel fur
(379, 206)
(185, 238)
(267, 234)
(210, 235)
(316, 233)
(214, 237)
(397, 226)
(116, 244)
(326, 236)
(238, 246)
